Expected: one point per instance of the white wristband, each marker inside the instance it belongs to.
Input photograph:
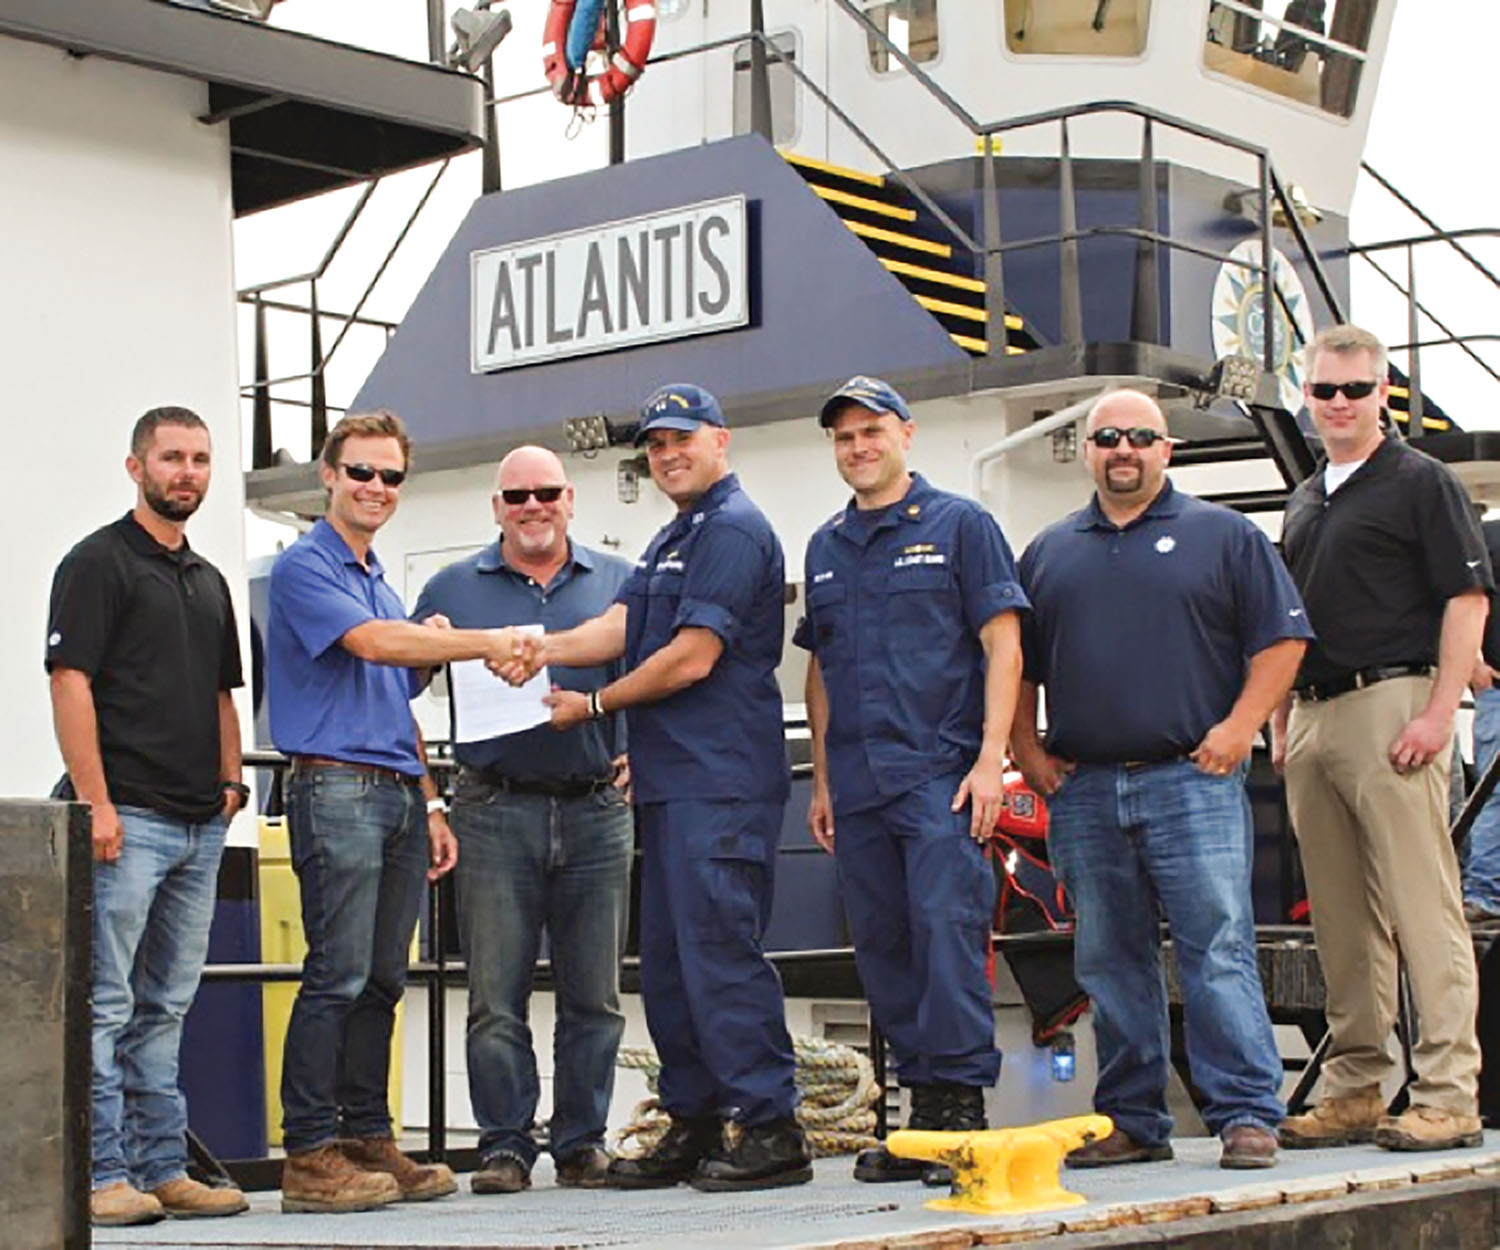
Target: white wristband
(436, 805)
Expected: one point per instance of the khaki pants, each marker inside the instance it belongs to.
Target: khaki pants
(1381, 873)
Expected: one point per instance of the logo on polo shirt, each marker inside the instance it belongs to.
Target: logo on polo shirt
(1166, 543)
(53, 638)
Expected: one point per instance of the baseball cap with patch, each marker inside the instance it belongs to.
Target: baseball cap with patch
(869, 393)
(678, 406)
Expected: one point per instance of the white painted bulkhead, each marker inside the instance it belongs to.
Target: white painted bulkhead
(117, 271)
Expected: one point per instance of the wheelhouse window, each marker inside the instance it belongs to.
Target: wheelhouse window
(1077, 27)
(1311, 51)
(783, 84)
(912, 25)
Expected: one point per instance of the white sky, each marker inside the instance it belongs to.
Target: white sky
(1429, 136)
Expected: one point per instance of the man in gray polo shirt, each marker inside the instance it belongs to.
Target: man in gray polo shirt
(545, 837)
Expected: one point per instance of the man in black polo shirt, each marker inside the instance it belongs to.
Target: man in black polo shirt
(1165, 630)
(143, 652)
(1389, 558)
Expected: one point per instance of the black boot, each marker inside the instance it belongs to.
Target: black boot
(685, 1144)
(766, 1156)
(961, 1111)
(879, 1165)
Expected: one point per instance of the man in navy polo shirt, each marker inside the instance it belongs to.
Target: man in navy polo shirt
(363, 817)
(1165, 631)
(545, 838)
(912, 621)
(700, 623)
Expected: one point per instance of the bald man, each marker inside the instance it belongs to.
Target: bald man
(1164, 630)
(545, 839)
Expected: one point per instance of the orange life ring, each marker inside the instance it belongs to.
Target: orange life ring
(626, 63)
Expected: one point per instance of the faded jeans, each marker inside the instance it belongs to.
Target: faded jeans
(527, 863)
(1482, 852)
(152, 911)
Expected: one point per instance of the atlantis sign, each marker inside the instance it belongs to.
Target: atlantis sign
(663, 276)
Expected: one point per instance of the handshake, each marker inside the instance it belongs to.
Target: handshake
(525, 657)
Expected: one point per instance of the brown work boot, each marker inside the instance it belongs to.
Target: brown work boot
(584, 1168)
(187, 1199)
(1428, 1128)
(323, 1180)
(1335, 1121)
(1247, 1146)
(1119, 1147)
(418, 1181)
(121, 1203)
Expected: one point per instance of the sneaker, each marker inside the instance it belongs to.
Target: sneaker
(187, 1199)
(1335, 1121)
(878, 1166)
(1428, 1128)
(1119, 1147)
(501, 1174)
(419, 1182)
(765, 1156)
(322, 1180)
(1247, 1146)
(120, 1203)
(674, 1158)
(584, 1168)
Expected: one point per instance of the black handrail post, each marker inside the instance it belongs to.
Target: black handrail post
(490, 169)
(617, 105)
(1267, 279)
(437, 1034)
(260, 407)
(319, 396)
(760, 75)
(1145, 312)
(998, 336)
(1071, 294)
(437, 33)
(1415, 409)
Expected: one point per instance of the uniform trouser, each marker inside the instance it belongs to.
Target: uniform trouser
(1382, 876)
(713, 1002)
(920, 897)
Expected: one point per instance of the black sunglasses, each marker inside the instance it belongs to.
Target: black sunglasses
(368, 473)
(518, 495)
(1138, 436)
(1352, 390)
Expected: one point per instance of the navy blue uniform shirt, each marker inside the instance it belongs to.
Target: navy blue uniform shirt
(896, 598)
(482, 592)
(326, 700)
(717, 566)
(1142, 636)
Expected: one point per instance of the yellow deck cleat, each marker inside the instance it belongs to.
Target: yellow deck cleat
(1006, 1170)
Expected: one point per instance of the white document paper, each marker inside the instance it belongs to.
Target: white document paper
(484, 706)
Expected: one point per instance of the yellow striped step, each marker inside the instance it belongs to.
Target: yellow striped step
(909, 241)
(879, 207)
(837, 171)
(1012, 322)
(971, 344)
(907, 269)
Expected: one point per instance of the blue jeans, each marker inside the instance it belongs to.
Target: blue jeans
(152, 911)
(1130, 843)
(1482, 852)
(359, 849)
(526, 862)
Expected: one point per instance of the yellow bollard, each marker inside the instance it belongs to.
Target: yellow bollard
(1006, 1170)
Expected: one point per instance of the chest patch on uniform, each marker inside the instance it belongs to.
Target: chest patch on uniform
(670, 563)
(919, 553)
(1166, 544)
(825, 576)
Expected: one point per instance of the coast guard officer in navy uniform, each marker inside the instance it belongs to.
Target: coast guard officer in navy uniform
(700, 623)
(912, 621)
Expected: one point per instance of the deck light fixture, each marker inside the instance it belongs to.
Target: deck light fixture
(479, 31)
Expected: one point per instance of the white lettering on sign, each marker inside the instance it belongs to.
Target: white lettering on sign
(663, 276)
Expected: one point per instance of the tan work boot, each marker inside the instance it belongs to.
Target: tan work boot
(1340, 1121)
(187, 1199)
(418, 1181)
(322, 1180)
(1428, 1128)
(121, 1203)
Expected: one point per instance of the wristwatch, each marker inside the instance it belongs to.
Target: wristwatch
(239, 788)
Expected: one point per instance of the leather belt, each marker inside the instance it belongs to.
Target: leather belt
(544, 787)
(1321, 691)
(374, 770)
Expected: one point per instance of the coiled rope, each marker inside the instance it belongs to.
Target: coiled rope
(837, 1108)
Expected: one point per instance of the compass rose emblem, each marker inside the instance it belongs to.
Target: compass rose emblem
(1238, 316)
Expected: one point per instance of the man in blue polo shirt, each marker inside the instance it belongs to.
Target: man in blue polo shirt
(545, 838)
(1165, 631)
(363, 817)
(912, 621)
(700, 624)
